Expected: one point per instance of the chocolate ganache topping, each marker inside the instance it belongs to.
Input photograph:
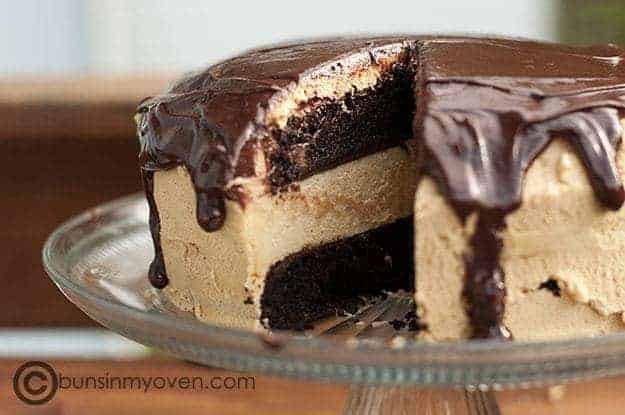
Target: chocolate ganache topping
(485, 109)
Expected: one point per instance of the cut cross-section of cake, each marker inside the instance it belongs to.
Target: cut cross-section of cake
(282, 185)
(281, 182)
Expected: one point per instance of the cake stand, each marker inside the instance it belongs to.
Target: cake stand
(99, 259)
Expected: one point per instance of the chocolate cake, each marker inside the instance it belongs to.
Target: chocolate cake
(282, 184)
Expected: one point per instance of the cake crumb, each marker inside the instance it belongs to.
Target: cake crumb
(272, 341)
(410, 321)
(397, 324)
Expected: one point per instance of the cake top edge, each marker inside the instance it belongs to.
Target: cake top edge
(213, 121)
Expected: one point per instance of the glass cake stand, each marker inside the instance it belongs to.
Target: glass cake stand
(99, 260)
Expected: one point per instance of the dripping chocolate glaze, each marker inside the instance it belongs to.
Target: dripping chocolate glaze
(156, 273)
(486, 108)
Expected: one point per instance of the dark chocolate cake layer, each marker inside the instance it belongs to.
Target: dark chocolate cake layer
(338, 131)
(329, 279)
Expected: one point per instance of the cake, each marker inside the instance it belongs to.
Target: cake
(288, 182)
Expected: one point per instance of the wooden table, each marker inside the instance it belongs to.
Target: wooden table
(279, 396)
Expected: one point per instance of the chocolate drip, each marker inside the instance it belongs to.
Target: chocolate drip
(484, 289)
(157, 272)
(481, 135)
(180, 130)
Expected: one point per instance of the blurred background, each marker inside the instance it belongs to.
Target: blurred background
(42, 37)
(72, 71)
(118, 36)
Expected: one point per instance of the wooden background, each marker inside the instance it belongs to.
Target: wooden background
(65, 145)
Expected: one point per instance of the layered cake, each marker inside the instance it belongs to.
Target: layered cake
(287, 183)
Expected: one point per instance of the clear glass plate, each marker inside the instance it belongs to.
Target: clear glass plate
(99, 261)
